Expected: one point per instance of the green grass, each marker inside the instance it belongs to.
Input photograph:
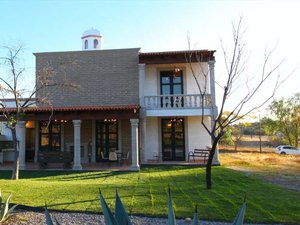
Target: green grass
(145, 193)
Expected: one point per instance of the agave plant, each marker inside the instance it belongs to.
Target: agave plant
(5, 211)
(109, 218)
(239, 219)
(120, 217)
(48, 217)
(196, 217)
(171, 213)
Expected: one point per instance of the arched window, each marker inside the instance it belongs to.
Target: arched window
(95, 43)
(86, 45)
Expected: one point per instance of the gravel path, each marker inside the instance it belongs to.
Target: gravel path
(38, 218)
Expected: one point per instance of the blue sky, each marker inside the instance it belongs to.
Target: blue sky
(155, 25)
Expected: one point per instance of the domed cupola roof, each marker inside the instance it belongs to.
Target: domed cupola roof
(91, 33)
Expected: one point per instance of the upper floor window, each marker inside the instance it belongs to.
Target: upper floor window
(96, 43)
(86, 45)
(171, 82)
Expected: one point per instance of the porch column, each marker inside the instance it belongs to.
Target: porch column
(21, 134)
(143, 137)
(214, 109)
(141, 83)
(135, 144)
(77, 155)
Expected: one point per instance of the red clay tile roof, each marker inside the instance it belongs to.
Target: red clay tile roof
(79, 108)
(175, 56)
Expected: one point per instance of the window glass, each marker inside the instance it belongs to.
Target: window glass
(165, 90)
(86, 44)
(95, 43)
(177, 79)
(171, 84)
(165, 80)
(50, 136)
(177, 89)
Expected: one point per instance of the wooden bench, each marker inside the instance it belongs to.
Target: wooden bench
(199, 153)
(66, 158)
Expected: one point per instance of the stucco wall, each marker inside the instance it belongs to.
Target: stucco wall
(195, 135)
(152, 77)
(153, 140)
(105, 77)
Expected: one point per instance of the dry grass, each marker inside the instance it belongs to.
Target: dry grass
(264, 162)
(280, 169)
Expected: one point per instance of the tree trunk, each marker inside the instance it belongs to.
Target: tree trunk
(209, 164)
(235, 145)
(15, 171)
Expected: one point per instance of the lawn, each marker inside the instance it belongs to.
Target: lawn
(145, 193)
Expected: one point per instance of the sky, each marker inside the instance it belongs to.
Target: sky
(159, 25)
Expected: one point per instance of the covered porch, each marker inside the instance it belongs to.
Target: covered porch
(89, 133)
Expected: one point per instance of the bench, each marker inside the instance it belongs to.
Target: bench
(66, 158)
(199, 153)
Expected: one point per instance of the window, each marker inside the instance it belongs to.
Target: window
(96, 43)
(171, 83)
(86, 44)
(173, 141)
(50, 136)
(106, 138)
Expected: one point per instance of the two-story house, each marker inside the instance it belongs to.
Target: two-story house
(145, 105)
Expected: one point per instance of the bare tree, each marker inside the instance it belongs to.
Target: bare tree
(11, 87)
(235, 80)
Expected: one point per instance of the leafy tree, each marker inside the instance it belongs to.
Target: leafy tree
(269, 126)
(287, 113)
(237, 132)
(226, 139)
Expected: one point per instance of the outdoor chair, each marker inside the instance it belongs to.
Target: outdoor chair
(126, 157)
(105, 158)
(155, 156)
(113, 156)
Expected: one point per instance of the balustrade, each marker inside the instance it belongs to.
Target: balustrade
(177, 101)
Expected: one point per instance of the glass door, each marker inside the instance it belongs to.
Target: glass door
(173, 145)
(50, 136)
(171, 84)
(106, 138)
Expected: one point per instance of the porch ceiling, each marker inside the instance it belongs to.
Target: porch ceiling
(81, 112)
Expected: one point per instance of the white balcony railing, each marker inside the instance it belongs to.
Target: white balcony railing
(177, 101)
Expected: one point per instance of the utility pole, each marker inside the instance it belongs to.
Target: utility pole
(260, 150)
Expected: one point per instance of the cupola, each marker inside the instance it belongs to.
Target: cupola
(91, 39)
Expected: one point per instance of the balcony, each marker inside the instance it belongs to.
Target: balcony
(177, 105)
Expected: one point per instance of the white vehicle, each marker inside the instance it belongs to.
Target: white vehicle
(285, 149)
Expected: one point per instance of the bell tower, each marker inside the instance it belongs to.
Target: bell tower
(91, 40)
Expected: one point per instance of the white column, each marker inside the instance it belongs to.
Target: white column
(141, 83)
(214, 109)
(21, 136)
(135, 144)
(143, 138)
(77, 159)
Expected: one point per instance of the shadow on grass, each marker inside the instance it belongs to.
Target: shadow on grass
(65, 175)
